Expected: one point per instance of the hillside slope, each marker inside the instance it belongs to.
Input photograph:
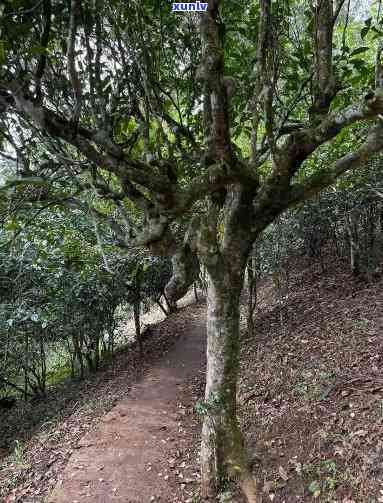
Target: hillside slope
(310, 395)
(311, 392)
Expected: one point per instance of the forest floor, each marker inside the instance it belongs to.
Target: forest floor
(311, 392)
(75, 426)
(310, 403)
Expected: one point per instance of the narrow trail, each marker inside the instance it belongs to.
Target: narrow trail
(132, 456)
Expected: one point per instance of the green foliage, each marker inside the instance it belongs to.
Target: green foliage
(204, 407)
(62, 277)
(59, 292)
(321, 225)
(328, 477)
(18, 455)
(225, 497)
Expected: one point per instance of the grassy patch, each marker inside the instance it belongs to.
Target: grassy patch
(18, 456)
(323, 478)
(58, 375)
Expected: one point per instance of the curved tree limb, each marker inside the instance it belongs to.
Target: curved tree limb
(327, 176)
(186, 266)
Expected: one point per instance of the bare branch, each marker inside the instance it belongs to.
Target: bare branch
(8, 157)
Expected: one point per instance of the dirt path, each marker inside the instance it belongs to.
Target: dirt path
(142, 450)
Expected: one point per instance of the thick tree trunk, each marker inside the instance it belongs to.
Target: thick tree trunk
(223, 454)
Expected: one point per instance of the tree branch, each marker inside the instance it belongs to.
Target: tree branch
(47, 14)
(216, 177)
(113, 160)
(324, 79)
(299, 145)
(351, 161)
(211, 73)
(71, 63)
(338, 8)
(273, 195)
(261, 94)
(185, 265)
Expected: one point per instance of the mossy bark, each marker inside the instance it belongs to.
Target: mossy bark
(223, 454)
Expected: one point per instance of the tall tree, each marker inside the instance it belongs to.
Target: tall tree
(196, 132)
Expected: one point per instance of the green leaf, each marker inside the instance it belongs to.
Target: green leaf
(314, 489)
(358, 63)
(307, 48)
(359, 50)
(310, 26)
(30, 180)
(364, 32)
(12, 226)
(2, 52)
(378, 33)
(37, 50)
